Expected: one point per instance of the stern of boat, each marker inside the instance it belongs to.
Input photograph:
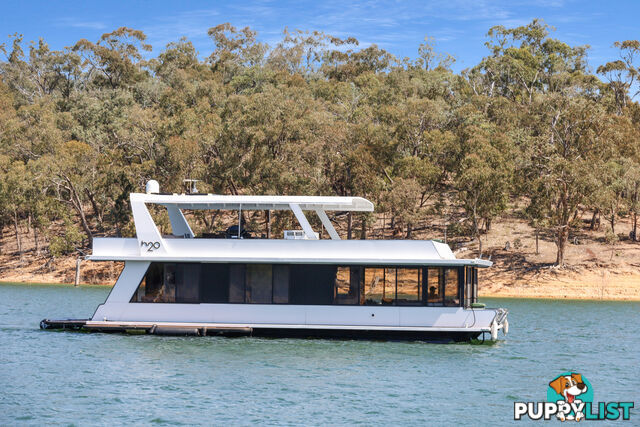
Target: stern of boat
(490, 320)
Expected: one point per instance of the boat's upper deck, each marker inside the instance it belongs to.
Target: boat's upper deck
(181, 245)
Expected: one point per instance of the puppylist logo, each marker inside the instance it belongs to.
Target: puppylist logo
(570, 398)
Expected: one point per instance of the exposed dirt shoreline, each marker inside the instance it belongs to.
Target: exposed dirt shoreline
(602, 285)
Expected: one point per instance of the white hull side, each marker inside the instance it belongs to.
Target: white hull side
(256, 315)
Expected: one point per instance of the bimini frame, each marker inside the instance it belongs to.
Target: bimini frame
(148, 234)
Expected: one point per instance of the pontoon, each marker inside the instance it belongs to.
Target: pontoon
(298, 286)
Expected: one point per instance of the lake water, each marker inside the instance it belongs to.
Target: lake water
(90, 378)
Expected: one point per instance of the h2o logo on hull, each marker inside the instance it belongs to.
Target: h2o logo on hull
(151, 246)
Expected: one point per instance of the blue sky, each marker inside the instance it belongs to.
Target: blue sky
(459, 26)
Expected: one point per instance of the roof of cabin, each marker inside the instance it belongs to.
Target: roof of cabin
(218, 201)
(341, 252)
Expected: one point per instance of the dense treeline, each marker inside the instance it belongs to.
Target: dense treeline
(530, 124)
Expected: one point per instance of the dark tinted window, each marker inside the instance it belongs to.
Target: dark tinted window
(259, 283)
(306, 284)
(280, 284)
(187, 277)
(312, 284)
(214, 284)
(236, 283)
(170, 282)
(151, 287)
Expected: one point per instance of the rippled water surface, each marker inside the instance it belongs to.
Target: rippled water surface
(91, 378)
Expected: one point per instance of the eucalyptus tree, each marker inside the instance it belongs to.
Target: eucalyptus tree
(40, 73)
(115, 60)
(623, 73)
(562, 159)
(235, 49)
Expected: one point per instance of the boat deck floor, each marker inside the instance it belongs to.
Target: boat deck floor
(229, 330)
(142, 327)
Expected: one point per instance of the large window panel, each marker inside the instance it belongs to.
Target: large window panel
(188, 282)
(451, 288)
(389, 290)
(280, 284)
(408, 282)
(169, 289)
(214, 283)
(312, 284)
(259, 281)
(347, 285)
(373, 286)
(150, 288)
(236, 283)
(434, 286)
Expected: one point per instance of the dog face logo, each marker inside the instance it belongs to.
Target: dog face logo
(569, 386)
(570, 390)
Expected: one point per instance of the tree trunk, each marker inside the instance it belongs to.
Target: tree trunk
(537, 238)
(94, 205)
(612, 221)
(85, 225)
(207, 224)
(77, 204)
(409, 230)
(35, 239)
(561, 243)
(363, 231)
(635, 227)
(349, 225)
(487, 223)
(15, 225)
(592, 226)
(563, 217)
(268, 221)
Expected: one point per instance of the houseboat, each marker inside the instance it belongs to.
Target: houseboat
(297, 286)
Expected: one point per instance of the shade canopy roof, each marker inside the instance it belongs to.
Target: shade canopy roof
(217, 201)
